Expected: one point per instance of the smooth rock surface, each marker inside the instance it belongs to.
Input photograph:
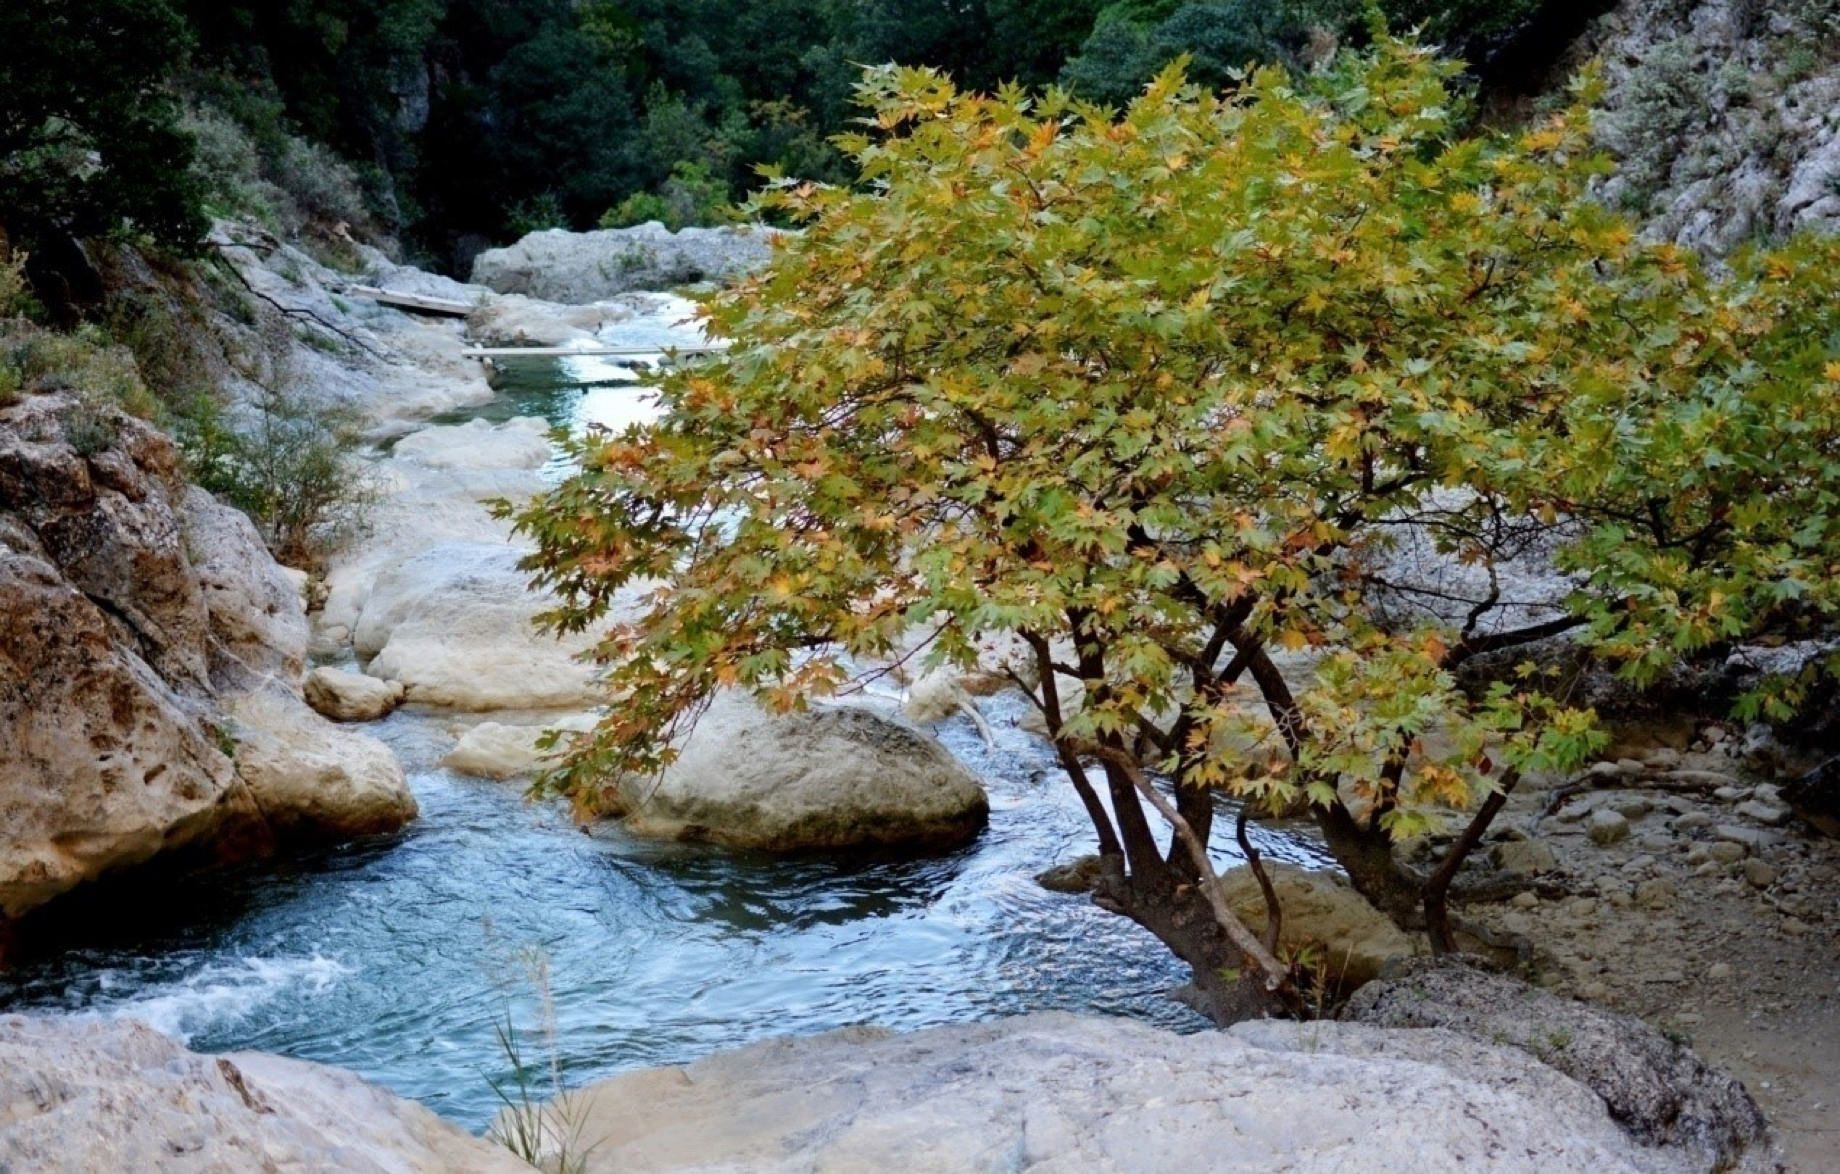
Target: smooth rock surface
(836, 777)
(1055, 1093)
(346, 696)
(257, 621)
(521, 442)
(312, 780)
(556, 265)
(87, 1097)
(500, 750)
(1658, 1090)
(456, 624)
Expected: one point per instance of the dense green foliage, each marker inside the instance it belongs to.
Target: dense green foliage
(89, 143)
(469, 120)
(1155, 397)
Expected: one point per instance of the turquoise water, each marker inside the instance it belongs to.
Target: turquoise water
(403, 959)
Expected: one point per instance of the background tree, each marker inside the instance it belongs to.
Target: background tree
(89, 136)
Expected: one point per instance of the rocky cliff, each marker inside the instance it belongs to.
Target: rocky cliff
(150, 657)
(1724, 116)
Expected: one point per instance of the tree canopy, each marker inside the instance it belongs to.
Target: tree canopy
(1157, 396)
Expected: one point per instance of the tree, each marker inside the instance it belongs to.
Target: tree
(89, 136)
(1157, 397)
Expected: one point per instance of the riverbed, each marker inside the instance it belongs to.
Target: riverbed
(409, 960)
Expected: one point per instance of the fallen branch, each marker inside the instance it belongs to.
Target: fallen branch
(1696, 781)
(287, 311)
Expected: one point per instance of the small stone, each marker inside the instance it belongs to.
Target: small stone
(1631, 807)
(1710, 868)
(1759, 874)
(1767, 793)
(1080, 875)
(1751, 838)
(1731, 794)
(1699, 853)
(1727, 852)
(1628, 766)
(1687, 1019)
(1603, 769)
(1655, 894)
(1575, 812)
(1607, 827)
(1719, 971)
(1663, 757)
(1692, 821)
(1656, 845)
(1795, 927)
(1526, 856)
(1524, 900)
(1766, 814)
(1664, 976)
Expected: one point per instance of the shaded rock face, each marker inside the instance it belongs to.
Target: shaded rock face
(1658, 1090)
(1059, 1092)
(131, 607)
(578, 267)
(1322, 908)
(828, 779)
(90, 1096)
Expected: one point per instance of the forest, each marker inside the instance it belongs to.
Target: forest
(466, 122)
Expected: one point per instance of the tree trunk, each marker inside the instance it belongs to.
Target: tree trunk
(1225, 989)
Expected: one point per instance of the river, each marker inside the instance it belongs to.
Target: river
(405, 959)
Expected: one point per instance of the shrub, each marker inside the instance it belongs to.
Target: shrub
(692, 197)
(287, 462)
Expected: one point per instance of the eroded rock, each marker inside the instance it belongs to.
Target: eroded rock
(83, 1096)
(1657, 1089)
(830, 778)
(312, 780)
(1060, 1092)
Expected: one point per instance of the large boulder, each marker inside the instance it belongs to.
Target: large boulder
(1655, 1087)
(314, 781)
(456, 624)
(830, 778)
(521, 442)
(1060, 1092)
(83, 1096)
(1322, 909)
(556, 265)
(103, 763)
(346, 696)
(112, 644)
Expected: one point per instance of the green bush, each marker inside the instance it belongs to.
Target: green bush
(289, 463)
(692, 197)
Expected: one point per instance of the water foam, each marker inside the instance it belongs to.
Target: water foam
(219, 994)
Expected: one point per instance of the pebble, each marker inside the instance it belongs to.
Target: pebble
(1604, 769)
(1795, 927)
(1607, 827)
(1524, 900)
(1761, 875)
(1738, 834)
(1719, 971)
(1575, 812)
(1663, 757)
(1767, 814)
(1692, 821)
(1655, 894)
(1768, 793)
(1731, 794)
(1631, 807)
(1727, 852)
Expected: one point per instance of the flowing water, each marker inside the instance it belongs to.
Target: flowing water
(404, 959)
